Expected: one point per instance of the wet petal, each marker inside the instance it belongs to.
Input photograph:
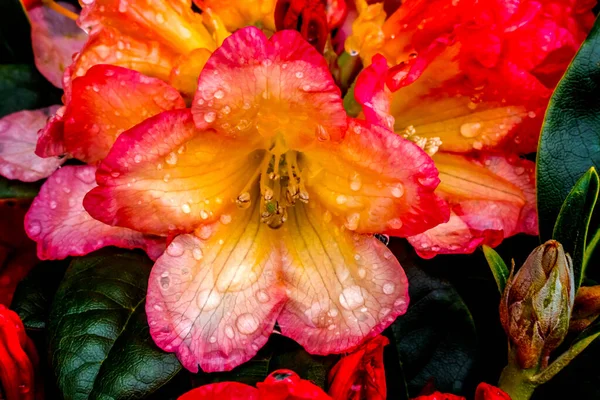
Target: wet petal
(165, 176)
(491, 197)
(343, 287)
(61, 227)
(238, 14)
(372, 94)
(281, 86)
(375, 182)
(18, 137)
(110, 46)
(173, 23)
(107, 101)
(55, 38)
(213, 299)
(184, 76)
(286, 384)
(222, 391)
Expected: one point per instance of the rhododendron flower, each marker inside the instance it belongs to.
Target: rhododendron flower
(469, 82)
(18, 358)
(282, 384)
(270, 194)
(484, 391)
(361, 374)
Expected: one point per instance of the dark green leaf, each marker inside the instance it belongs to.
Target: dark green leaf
(18, 190)
(572, 222)
(34, 294)
(436, 338)
(394, 375)
(498, 267)
(15, 37)
(100, 346)
(570, 141)
(22, 87)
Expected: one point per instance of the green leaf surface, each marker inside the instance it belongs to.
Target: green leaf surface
(436, 338)
(34, 294)
(15, 36)
(573, 221)
(99, 342)
(17, 190)
(570, 140)
(498, 267)
(22, 87)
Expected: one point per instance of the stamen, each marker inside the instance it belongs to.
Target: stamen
(60, 9)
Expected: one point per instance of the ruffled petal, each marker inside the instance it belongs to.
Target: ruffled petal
(222, 391)
(18, 137)
(171, 22)
(254, 86)
(164, 176)
(61, 227)
(491, 197)
(375, 182)
(343, 287)
(213, 298)
(54, 38)
(107, 101)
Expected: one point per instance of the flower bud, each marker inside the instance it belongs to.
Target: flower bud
(536, 305)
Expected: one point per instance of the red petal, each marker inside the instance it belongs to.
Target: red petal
(222, 391)
(284, 384)
(61, 227)
(291, 93)
(16, 369)
(488, 392)
(18, 137)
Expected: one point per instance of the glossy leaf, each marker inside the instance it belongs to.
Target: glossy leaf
(17, 190)
(569, 144)
(497, 266)
(99, 342)
(436, 338)
(22, 87)
(574, 218)
(34, 294)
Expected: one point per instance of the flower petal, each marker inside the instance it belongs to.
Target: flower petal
(222, 391)
(237, 14)
(165, 176)
(284, 384)
(492, 197)
(172, 23)
(107, 101)
(61, 227)
(18, 137)
(214, 301)
(55, 38)
(375, 182)
(280, 86)
(343, 287)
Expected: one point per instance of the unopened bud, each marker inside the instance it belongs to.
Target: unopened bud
(536, 305)
(586, 309)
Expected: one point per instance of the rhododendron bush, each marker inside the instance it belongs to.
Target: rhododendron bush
(299, 199)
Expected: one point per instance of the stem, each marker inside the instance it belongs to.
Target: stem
(517, 382)
(60, 9)
(564, 360)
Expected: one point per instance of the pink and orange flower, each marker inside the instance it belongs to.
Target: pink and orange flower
(469, 81)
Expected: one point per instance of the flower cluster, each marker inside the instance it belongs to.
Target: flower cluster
(218, 143)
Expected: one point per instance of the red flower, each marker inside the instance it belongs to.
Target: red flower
(282, 384)
(18, 358)
(360, 375)
(484, 392)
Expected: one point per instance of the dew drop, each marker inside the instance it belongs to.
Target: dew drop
(208, 299)
(341, 199)
(219, 94)
(395, 223)
(262, 296)
(333, 313)
(299, 74)
(397, 191)
(247, 323)
(160, 18)
(165, 282)
(362, 272)
(321, 133)
(225, 219)
(34, 228)
(351, 297)
(53, 205)
(171, 158)
(212, 339)
(210, 116)
(115, 174)
(203, 214)
(388, 288)
(137, 158)
(384, 312)
(166, 177)
(331, 327)
(229, 332)
(470, 129)
(175, 249)
(185, 207)
(226, 110)
(204, 232)
(197, 253)
(399, 303)
(352, 221)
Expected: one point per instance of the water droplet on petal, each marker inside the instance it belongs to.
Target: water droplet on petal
(395, 223)
(164, 282)
(34, 228)
(53, 205)
(470, 129)
(247, 323)
(351, 297)
(212, 339)
(262, 296)
(197, 253)
(225, 219)
(210, 116)
(299, 74)
(229, 332)
(203, 214)
(362, 272)
(185, 207)
(219, 94)
(397, 191)
(389, 287)
(175, 249)
(341, 199)
(208, 299)
(171, 158)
